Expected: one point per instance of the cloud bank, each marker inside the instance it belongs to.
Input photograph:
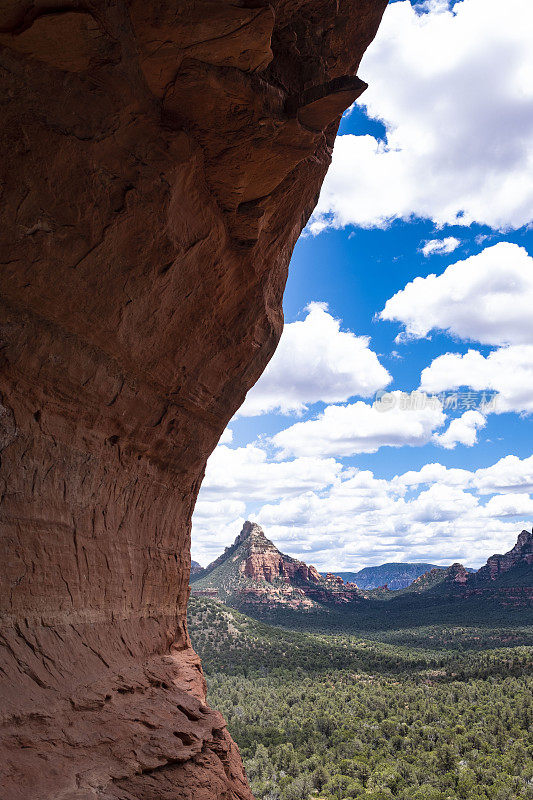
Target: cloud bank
(344, 518)
(397, 420)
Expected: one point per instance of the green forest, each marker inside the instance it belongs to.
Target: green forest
(435, 712)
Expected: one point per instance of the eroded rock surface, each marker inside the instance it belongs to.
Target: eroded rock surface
(159, 162)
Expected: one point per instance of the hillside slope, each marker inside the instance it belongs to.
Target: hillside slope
(253, 576)
(404, 715)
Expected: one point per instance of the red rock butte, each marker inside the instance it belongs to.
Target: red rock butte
(253, 571)
(159, 162)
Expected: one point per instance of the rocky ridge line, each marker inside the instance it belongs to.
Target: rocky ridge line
(497, 564)
(507, 578)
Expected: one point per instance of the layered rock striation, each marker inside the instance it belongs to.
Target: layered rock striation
(159, 163)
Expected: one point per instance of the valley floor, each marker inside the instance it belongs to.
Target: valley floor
(441, 712)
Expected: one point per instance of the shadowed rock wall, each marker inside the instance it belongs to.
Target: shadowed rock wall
(159, 160)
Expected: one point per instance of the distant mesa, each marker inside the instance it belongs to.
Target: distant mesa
(393, 575)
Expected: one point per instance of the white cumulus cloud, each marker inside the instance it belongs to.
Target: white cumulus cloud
(454, 89)
(247, 473)
(344, 518)
(434, 473)
(462, 430)
(347, 530)
(485, 298)
(441, 503)
(315, 360)
(509, 505)
(507, 371)
(509, 474)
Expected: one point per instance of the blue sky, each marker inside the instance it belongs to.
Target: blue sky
(439, 150)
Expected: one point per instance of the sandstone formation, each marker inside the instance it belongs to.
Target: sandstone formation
(437, 578)
(253, 572)
(159, 162)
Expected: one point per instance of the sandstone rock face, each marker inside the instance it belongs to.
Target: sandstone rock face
(159, 162)
(458, 574)
(264, 562)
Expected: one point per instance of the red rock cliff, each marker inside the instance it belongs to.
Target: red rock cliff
(159, 162)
